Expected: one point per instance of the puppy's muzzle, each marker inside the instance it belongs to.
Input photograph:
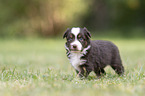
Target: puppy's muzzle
(74, 47)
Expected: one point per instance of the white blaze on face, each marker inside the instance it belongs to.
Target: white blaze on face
(75, 32)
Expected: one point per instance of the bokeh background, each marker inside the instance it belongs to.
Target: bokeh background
(50, 18)
(32, 53)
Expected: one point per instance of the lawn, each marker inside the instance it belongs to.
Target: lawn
(39, 67)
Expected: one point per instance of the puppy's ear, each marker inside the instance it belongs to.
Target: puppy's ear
(87, 32)
(66, 32)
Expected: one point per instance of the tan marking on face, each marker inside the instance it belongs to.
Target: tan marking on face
(79, 35)
(71, 36)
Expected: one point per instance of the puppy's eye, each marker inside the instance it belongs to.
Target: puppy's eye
(81, 39)
(69, 39)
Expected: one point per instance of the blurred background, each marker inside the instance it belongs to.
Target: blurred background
(32, 51)
(50, 18)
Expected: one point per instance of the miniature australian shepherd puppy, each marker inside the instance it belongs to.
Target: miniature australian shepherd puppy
(86, 55)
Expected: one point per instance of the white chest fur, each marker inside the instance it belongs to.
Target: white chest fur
(76, 61)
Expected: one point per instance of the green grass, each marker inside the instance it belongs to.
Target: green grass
(39, 67)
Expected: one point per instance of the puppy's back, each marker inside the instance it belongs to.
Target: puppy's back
(106, 51)
(102, 45)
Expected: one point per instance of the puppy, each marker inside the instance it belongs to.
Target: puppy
(86, 55)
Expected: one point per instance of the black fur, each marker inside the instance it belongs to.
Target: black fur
(101, 54)
(98, 56)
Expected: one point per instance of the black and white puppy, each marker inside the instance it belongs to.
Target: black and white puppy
(86, 55)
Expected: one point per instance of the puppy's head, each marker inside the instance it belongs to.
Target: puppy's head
(77, 39)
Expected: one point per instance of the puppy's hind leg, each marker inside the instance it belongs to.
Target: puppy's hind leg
(119, 69)
(116, 64)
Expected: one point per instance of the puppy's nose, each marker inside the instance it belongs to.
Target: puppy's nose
(74, 46)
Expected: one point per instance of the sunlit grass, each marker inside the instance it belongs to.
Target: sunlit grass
(39, 67)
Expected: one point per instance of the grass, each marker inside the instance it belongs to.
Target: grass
(39, 67)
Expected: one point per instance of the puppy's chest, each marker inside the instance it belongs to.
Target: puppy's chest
(76, 61)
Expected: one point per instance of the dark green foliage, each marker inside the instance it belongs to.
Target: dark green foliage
(51, 17)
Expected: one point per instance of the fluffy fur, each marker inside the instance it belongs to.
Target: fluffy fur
(86, 55)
